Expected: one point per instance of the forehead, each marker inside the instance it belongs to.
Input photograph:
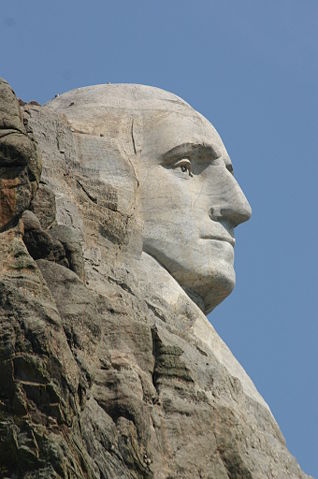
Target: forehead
(167, 130)
(152, 119)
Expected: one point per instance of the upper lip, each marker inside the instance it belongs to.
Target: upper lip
(228, 239)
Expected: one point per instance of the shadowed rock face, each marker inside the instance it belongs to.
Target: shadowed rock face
(108, 368)
(20, 165)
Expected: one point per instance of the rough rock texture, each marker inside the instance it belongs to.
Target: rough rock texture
(20, 165)
(99, 378)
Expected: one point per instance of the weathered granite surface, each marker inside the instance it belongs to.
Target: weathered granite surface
(107, 368)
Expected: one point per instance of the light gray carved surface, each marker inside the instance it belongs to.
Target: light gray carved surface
(171, 170)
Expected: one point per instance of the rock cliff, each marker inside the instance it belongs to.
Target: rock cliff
(99, 377)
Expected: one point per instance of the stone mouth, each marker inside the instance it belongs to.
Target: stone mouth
(227, 239)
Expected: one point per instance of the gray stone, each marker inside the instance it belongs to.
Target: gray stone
(109, 367)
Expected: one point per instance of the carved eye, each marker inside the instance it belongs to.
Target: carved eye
(185, 166)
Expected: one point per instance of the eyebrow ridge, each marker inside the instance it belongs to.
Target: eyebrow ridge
(187, 148)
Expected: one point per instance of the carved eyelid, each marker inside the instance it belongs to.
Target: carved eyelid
(182, 161)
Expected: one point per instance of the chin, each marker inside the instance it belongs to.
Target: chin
(207, 287)
(212, 288)
(217, 292)
(206, 283)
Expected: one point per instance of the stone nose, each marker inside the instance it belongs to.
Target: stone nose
(235, 209)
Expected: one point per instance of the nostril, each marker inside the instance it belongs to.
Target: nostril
(215, 214)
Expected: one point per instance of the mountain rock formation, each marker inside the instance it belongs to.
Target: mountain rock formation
(99, 376)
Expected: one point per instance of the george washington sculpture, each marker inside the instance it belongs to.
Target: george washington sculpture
(168, 163)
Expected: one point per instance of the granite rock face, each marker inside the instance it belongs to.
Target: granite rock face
(100, 376)
(20, 164)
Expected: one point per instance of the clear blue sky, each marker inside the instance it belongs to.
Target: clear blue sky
(250, 66)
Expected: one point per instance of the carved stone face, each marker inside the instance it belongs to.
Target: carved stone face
(161, 155)
(191, 204)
